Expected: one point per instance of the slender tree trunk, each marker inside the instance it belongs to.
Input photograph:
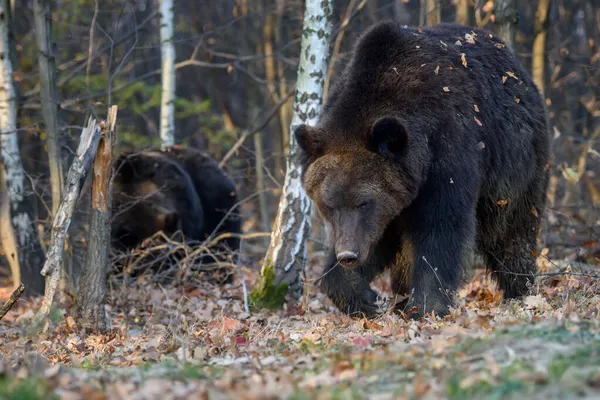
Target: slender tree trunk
(31, 255)
(167, 49)
(434, 12)
(506, 16)
(8, 241)
(286, 257)
(92, 287)
(539, 44)
(49, 95)
(259, 165)
(465, 12)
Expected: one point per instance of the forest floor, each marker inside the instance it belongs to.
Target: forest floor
(195, 341)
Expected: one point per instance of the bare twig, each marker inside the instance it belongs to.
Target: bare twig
(11, 301)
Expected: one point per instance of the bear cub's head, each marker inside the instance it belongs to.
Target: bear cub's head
(360, 182)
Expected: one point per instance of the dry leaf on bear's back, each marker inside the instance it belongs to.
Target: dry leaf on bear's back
(446, 89)
(478, 122)
(436, 70)
(502, 203)
(470, 37)
(512, 75)
(518, 100)
(463, 59)
(476, 108)
(504, 78)
(499, 45)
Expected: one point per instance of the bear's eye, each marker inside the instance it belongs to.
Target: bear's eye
(364, 205)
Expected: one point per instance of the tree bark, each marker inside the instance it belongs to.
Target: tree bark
(30, 251)
(506, 16)
(92, 288)
(90, 136)
(49, 95)
(167, 51)
(434, 12)
(8, 241)
(538, 66)
(465, 13)
(286, 255)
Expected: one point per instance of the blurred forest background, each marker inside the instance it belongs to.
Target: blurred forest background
(236, 64)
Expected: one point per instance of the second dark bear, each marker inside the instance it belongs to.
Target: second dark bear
(173, 190)
(433, 143)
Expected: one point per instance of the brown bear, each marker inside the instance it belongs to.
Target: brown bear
(174, 190)
(433, 143)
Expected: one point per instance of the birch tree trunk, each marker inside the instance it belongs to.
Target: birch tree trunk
(167, 51)
(283, 268)
(31, 255)
(506, 16)
(538, 62)
(49, 95)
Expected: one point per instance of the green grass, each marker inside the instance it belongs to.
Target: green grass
(27, 389)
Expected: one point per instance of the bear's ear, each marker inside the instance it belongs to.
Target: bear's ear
(309, 141)
(388, 137)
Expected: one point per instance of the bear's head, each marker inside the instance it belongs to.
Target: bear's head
(361, 182)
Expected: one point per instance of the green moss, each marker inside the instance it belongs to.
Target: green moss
(267, 294)
(28, 389)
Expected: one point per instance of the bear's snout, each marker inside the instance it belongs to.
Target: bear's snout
(347, 259)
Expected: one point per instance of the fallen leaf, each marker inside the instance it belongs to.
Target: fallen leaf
(229, 324)
(446, 89)
(518, 100)
(504, 78)
(502, 203)
(70, 322)
(463, 59)
(499, 45)
(512, 75)
(476, 108)
(478, 121)
(371, 325)
(436, 70)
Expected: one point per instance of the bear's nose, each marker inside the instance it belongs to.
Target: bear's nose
(347, 258)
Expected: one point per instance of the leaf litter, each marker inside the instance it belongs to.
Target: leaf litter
(194, 340)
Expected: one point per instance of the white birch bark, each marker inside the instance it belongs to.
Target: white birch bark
(167, 51)
(30, 251)
(287, 251)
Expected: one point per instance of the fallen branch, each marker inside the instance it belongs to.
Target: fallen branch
(88, 144)
(13, 299)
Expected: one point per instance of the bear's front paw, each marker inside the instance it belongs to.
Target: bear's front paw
(414, 309)
(358, 304)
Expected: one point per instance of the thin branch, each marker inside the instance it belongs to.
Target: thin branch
(11, 301)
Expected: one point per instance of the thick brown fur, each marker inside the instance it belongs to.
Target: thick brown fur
(418, 160)
(173, 190)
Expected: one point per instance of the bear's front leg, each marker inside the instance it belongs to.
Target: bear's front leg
(442, 233)
(349, 289)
